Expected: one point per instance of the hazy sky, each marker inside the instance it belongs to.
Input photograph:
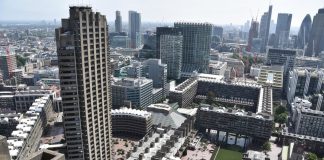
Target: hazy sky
(213, 11)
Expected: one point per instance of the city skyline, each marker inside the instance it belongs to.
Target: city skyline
(83, 86)
(51, 10)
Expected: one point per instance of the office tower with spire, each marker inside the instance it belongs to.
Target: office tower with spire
(134, 29)
(264, 29)
(196, 46)
(84, 65)
(304, 30)
(253, 33)
(118, 22)
(316, 38)
(283, 30)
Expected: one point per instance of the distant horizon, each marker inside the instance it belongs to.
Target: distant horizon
(218, 12)
(123, 22)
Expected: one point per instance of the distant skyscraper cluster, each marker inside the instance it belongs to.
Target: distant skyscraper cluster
(309, 38)
(304, 30)
(316, 37)
(283, 30)
(265, 28)
(258, 34)
(130, 39)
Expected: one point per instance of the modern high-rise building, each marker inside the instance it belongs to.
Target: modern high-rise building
(157, 71)
(171, 54)
(272, 28)
(265, 28)
(164, 31)
(285, 58)
(253, 33)
(152, 69)
(316, 37)
(307, 121)
(137, 91)
(134, 29)
(118, 22)
(84, 64)
(196, 46)
(304, 30)
(7, 63)
(283, 30)
(272, 39)
(304, 82)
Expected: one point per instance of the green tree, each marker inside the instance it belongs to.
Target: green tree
(311, 156)
(281, 118)
(266, 147)
(21, 61)
(280, 109)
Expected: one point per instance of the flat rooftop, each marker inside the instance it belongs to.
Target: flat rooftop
(130, 82)
(302, 137)
(272, 68)
(236, 112)
(131, 112)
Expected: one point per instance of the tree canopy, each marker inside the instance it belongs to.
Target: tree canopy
(311, 156)
(280, 114)
(266, 146)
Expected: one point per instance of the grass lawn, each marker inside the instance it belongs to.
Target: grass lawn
(225, 154)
